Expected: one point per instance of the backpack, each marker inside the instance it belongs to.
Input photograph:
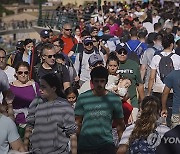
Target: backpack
(165, 66)
(157, 52)
(112, 43)
(134, 54)
(36, 77)
(81, 57)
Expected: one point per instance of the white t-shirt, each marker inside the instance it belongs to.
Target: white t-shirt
(162, 129)
(158, 84)
(8, 133)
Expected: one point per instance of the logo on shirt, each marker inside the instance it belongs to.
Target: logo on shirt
(154, 140)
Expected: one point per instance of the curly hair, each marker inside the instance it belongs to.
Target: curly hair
(146, 123)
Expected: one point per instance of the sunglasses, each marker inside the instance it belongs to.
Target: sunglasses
(122, 52)
(21, 72)
(68, 29)
(89, 43)
(50, 56)
(2, 57)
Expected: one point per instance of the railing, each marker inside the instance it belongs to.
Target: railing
(55, 19)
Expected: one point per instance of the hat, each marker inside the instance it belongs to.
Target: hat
(93, 59)
(121, 46)
(93, 29)
(20, 44)
(44, 33)
(87, 40)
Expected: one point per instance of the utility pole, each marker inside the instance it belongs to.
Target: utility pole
(40, 13)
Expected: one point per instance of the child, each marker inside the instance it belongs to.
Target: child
(71, 94)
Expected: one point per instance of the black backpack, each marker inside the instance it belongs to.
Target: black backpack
(133, 54)
(165, 66)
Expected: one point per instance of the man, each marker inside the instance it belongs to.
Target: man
(9, 135)
(3, 65)
(49, 66)
(131, 70)
(69, 40)
(81, 64)
(172, 81)
(156, 82)
(146, 59)
(94, 60)
(94, 112)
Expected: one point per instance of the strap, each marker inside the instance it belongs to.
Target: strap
(34, 87)
(128, 46)
(76, 47)
(138, 46)
(170, 54)
(80, 62)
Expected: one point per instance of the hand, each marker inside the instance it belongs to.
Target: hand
(9, 97)
(164, 113)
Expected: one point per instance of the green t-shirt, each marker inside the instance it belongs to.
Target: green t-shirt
(98, 113)
(131, 70)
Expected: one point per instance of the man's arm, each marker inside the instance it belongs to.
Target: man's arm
(122, 149)
(143, 71)
(140, 89)
(66, 85)
(120, 125)
(78, 120)
(17, 145)
(151, 80)
(164, 97)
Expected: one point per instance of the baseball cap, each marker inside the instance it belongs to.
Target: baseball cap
(121, 46)
(87, 40)
(44, 33)
(93, 59)
(20, 44)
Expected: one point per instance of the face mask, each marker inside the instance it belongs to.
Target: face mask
(122, 91)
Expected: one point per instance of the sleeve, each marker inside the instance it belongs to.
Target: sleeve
(66, 77)
(118, 111)
(69, 122)
(32, 111)
(4, 83)
(138, 76)
(12, 131)
(154, 62)
(168, 81)
(79, 110)
(76, 64)
(144, 59)
(126, 134)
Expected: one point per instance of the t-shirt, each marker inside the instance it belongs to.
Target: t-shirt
(173, 81)
(158, 85)
(8, 133)
(68, 44)
(98, 113)
(146, 60)
(4, 83)
(131, 70)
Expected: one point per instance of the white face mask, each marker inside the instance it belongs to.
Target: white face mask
(122, 91)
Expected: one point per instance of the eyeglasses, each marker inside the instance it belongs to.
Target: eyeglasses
(68, 29)
(122, 52)
(57, 45)
(95, 41)
(89, 43)
(21, 72)
(50, 56)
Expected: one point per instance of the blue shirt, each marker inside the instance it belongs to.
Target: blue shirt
(173, 81)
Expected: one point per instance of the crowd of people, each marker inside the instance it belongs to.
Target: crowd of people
(108, 86)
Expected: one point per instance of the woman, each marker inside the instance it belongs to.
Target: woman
(146, 124)
(52, 119)
(24, 90)
(26, 55)
(78, 34)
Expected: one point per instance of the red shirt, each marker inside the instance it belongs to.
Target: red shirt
(69, 42)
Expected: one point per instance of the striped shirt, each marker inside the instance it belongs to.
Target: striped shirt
(53, 123)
